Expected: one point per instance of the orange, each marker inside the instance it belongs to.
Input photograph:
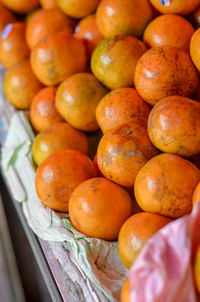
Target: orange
(43, 112)
(58, 137)
(114, 60)
(125, 292)
(6, 17)
(174, 126)
(121, 106)
(195, 48)
(168, 30)
(127, 17)
(45, 22)
(21, 85)
(21, 6)
(98, 208)
(56, 57)
(135, 232)
(122, 152)
(88, 31)
(48, 4)
(197, 269)
(13, 46)
(59, 174)
(161, 186)
(164, 71)
(77, 99)
(181, 7)
(78, 8)
(196, 195)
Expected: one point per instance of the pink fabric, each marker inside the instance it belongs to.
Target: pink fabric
(163, 271)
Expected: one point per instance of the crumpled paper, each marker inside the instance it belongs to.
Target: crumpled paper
(98, 259)
(163, 271)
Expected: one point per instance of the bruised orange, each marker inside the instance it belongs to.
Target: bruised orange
(161, 186)
(164, 71)
(196, 195)
(77, 8)
(48, 4)
(195, 48)
(122, 152)
(98, 208)
(45, 22)
(6, 17)
(114, 60)
(174, 126)
(135, 232)
(13, 46)
(58, 137)
(43, 112)
(181, 7)
(21, 6)
(168, 30)
(77, 98)
(59, 174)
(121, 106)
(125, 292)
(88, 31)
(127, 17)
(58, 56)
(21, 85)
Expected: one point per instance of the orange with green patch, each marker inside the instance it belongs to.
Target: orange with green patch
(113, 60)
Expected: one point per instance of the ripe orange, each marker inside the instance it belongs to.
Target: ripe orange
(168, 30)
(174, 126)
(162, 187)
(113, 61)
(135, 232)
(98, 208)
(127, 17)
(6, 17)
(59, 174)
(77, 98)
(43, 112)
(195, 48)
(56, 57)
(197, 269)
(58, 137)
(196, 195)
(181, 7)
(164, 71)
(48, 4)
(21, 6)
(13, 46)
(87, 29)
(78, 8)
(122, 152)
(21, 85)
(45, 22)
(121, 106)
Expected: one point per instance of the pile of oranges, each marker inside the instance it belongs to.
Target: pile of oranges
(131, 69)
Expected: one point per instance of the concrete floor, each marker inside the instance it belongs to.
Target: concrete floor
(32, 281)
